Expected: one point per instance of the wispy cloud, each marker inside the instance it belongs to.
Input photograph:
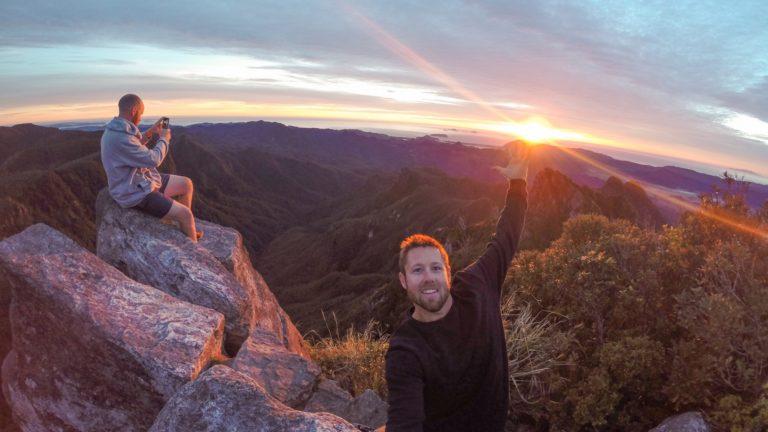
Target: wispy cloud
(634, 73)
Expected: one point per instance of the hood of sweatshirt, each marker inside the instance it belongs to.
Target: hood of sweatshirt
(119, 124)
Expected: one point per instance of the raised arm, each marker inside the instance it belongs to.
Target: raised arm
(492, 265)
(154, 129)
(137, 155)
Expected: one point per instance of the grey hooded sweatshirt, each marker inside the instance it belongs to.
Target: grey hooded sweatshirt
(131, 167)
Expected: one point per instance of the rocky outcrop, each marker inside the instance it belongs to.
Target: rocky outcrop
(125, 347)
(159, 255)
(6, 424)
(367, 409)
(217, 273)
(92, 349)
(222, 399)
(226, 244)
(686, 422)
(284, 375)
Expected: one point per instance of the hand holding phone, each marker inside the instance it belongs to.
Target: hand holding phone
(164, 134)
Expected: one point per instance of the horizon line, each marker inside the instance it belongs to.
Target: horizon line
(187, 121)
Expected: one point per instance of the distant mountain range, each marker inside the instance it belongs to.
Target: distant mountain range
(323, 210)
(350, 149)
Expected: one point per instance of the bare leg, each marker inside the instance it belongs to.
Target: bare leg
(181, 188)
(183, 215)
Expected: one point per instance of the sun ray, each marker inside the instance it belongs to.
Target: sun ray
(534, 129)
(667, 197)
(409, 55)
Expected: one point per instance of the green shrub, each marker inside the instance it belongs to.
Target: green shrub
(607, 278)
(656, 322)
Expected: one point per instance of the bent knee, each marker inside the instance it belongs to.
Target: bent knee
(180, 213)
(186, 213)
(188, 184)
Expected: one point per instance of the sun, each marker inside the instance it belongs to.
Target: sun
(536, 130)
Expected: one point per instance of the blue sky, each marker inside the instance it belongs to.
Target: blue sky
(676, 80)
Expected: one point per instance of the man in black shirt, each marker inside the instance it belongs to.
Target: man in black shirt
(446, 367)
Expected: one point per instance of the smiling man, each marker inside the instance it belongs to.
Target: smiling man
(446, 367)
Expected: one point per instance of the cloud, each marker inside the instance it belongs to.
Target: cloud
(752, 100)
(626, 70)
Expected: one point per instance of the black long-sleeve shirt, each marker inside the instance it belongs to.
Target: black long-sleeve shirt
(451, 374)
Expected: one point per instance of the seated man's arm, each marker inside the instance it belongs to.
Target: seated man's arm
(492, 265)
(132, 153)
(145, 137)
(405, 385)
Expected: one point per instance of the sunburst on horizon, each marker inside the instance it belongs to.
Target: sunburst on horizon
(538, 130)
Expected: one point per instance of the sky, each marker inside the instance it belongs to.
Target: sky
(656, 81)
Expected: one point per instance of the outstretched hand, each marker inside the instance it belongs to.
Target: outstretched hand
(519, 155)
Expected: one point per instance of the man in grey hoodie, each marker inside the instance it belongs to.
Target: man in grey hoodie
(131, 168)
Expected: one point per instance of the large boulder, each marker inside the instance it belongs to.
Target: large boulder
(222, 400)
(367, 409)
(285, 375)
(686, 422)
(92, 349)
(159, 255)
(226, 244)
(6, 423)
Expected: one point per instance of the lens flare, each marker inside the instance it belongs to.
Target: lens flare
(532, 130)
(537, 130)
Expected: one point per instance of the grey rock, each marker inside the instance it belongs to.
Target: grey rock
(226, 244)
(6, 423)
(686, 422)
(92, 349)
(330, 397)
(367, 409)
(159, 255)
(224, 400)
(285, 375)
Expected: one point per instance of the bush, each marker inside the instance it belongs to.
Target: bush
(651, 323)
(355, 360)
(535, 348)
(607, 278)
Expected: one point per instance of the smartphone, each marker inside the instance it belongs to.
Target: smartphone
(164, 121)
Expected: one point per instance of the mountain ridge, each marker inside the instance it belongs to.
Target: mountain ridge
(278, 183)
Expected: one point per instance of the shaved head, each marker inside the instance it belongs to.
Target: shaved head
(131, 108)
(128, 102)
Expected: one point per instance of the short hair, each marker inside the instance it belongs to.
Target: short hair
(128, 102)
(421, 240)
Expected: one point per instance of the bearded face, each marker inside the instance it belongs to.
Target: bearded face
(137, 114)
(427, 283)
